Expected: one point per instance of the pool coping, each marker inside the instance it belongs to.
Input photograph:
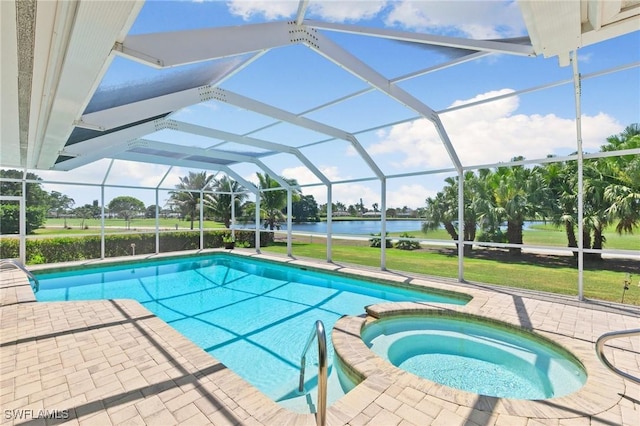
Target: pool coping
(595, 395)
(387, 393)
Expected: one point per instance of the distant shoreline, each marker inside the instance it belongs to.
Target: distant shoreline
(372, 219)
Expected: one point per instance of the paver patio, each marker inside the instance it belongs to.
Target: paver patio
(113, 362)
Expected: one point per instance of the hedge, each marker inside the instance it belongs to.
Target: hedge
(66, 249)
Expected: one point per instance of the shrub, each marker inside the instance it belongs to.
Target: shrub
(66, 249)
(492, 236)
(375, 241)
(407, 244)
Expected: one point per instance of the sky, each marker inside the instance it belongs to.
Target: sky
(296, 79)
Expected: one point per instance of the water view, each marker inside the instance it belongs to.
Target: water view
(351, 227)
(356, 227)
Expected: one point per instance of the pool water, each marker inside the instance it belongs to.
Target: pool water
(253, 316)
(476, 356)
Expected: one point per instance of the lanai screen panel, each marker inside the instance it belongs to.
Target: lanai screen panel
(223, 116)
(128, 81)
(355, 114)
(304, 79)
(407, 147)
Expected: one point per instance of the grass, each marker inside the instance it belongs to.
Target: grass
(55, 226)
(540, 234)
(603, 280)
(546, 235)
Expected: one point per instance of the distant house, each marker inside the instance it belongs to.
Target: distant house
(371, 214)
(407, 213)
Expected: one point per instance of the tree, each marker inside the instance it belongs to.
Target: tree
(443, 209)
(272, 203)
(61, 204)
(36, 200)
(623, 193)
(519, 193)
(561, 207)
(220, 202)
(85, 212)
(305, 209)
(440, 210)
(150, 211)
(126, 207)
(187, 196)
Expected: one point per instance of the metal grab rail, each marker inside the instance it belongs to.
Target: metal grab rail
(319, 333)
(600, 346)
(20, 266)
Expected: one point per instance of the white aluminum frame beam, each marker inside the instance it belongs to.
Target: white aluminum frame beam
(492, 46)
(245, 140)
(188, 151)
(333, 52)
(170, 49)
(105, 146)
(302, 9)
(118, 116)
(152, 159)
(286, 116)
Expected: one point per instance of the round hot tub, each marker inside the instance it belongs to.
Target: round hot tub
(476, 355)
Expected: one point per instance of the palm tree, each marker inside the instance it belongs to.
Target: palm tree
(519, 194)
(623, 193)
(440, 210)
(561, 207)
(595, 218)
(187, 198)
(219, 203)
(444, 208)
(272, 203)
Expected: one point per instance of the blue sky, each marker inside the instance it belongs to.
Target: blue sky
(296, 79)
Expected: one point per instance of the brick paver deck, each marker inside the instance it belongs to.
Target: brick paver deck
(113, 362)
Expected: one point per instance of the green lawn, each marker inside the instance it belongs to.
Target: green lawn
(542, 235)
(546, 235)
(556, 274)
(92, 226)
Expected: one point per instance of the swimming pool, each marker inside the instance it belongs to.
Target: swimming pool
(253, 316)
(476, 355)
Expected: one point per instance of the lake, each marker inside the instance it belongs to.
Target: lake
(355, 227)
(351, 227)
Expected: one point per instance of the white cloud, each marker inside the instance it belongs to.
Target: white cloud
(475, 19)
(412, 195)
(349, 193)
(341, 11)
(270, 10)
(492, 132)
(124, 173)
(466, 18)
(331, 10)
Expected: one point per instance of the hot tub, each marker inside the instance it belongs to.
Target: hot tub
(476, 355)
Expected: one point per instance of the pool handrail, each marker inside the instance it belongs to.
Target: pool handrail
(319, 334)
(23, 268)
(600, 347)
